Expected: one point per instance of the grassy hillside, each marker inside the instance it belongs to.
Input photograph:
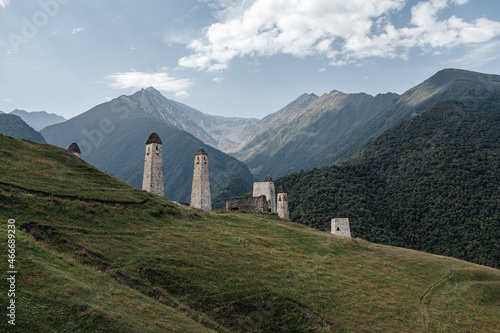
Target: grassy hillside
(100, 259)
(430, 184)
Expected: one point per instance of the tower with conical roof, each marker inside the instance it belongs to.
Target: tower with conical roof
(266, 188)
(152, 180)
(200, 190)
(282, 203)
(73, 148)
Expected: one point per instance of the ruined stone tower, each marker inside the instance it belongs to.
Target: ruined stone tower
(153, 166)
(200, 191)
(73, 148)
(340, 227)
(266, 188)
(282, 204)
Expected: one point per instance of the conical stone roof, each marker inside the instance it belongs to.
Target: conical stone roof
(154, 138)
(268, 179)
(73, 148)
(201, 152)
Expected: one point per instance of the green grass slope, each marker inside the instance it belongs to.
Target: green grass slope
(430, 184)
(101, 260)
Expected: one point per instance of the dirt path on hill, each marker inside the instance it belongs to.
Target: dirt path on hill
(424, 316)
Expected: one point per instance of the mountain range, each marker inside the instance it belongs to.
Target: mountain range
(447, 84)
(112, 136)
(38, 119)
(311, 131)
(292, 138)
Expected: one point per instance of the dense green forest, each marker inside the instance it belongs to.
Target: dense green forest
(430, 184)
(234, 188)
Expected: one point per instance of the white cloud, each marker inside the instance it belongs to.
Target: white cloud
(182, 94)
(77, 30)
(218, 79)
(179, 36)
(478, 56)
(161, 81)
(343, 31)
(4, 3)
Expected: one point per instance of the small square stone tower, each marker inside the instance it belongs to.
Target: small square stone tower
(266, 188)
(340, 227)
(153, 166)
(200, 191)
(73, 148)
(282, 204)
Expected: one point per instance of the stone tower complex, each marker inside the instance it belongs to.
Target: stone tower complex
(200, 191)
(153, 166)
(266, 188)
(282, 204)
(73, 148)
(340, 227)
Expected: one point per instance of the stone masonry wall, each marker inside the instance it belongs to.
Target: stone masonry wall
(282, 206)
(251, 204)
(200, 190)
(267, 189)
(153, 170)
(340, 227)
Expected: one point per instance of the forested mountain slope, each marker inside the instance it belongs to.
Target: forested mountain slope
(431, 183)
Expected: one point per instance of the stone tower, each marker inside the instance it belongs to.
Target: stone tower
(73, 148)
(282, 204)
(200, 191)
(340, 227)
(153, 166)
(266, 188)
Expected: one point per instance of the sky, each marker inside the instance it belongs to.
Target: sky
(244, 58)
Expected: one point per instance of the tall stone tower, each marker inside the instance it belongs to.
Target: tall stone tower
(340, 227)
(73, 148)
(200, 191)
(266, 188)
(153, 166)
(282, 203)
